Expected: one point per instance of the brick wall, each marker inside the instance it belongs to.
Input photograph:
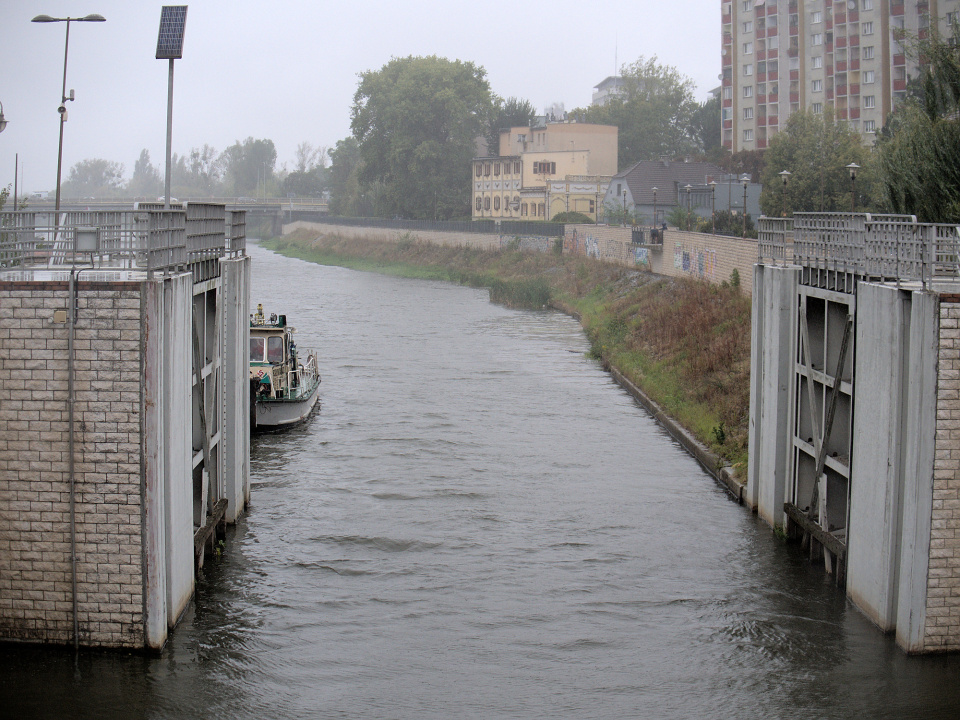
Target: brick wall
(683, 254)
(942, 631)
(35, 568)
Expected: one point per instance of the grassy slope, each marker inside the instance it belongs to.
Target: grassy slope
(683, 342)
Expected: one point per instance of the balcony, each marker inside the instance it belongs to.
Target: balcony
(899, 60)
(854, 88)
(854, 64)
(841, 90)
(899, 85)
(896, 9)
(773, 120)
(841, 65)
(855, 113)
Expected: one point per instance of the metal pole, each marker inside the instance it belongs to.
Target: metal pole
(166, 184)
(16, 171)
(713, 206)
(63, 116)
(744, 209)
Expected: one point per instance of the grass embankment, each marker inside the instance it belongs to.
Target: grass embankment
(685, 343)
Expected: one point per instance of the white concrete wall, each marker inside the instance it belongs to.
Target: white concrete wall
(235, 299)
(876, 479)
(920, 424)
(168, 546)
(773, 348)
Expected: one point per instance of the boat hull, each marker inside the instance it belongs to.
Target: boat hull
(275, 414)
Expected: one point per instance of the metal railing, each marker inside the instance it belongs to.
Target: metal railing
(151, 239)
(880, 247)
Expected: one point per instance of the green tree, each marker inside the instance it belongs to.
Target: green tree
(654, 113)
(705, 126)
(147, 180)
(248, 166)
(95, 178)
(815, 149)
(344, 177)
(512, 112)
(415, 121)
(918, 153)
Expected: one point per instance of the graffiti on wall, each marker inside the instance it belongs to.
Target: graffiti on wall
(702, 263)
(641, 256)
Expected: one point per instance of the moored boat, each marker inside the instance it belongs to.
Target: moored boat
(284, 380)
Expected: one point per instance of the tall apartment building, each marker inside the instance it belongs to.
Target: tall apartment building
(783, 55)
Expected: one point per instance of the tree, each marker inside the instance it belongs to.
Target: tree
(344, 177)
(918, 152)
(248, 166)
(815, 149)
(705, 126)
(94, 178)
(415, 121)
(147, 180)
(654, 113)
(309, 158)
(512, 112)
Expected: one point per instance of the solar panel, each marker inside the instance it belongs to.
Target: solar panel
(173, 20)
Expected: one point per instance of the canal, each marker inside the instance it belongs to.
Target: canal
(480, 524)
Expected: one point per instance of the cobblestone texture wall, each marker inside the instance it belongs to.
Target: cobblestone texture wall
(35, 568)
(943, 576)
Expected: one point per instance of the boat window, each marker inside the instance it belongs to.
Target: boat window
(256, 349)
(275, 349)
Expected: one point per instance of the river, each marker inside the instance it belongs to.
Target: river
(479, 523)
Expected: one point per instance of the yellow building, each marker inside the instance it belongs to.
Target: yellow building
(545, 169)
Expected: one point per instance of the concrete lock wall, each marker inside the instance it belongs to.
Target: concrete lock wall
(235, 299)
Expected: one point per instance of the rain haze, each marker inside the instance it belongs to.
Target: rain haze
(287, 70)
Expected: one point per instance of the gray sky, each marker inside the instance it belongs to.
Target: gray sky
(287, 69)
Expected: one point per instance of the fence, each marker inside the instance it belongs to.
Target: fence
(152, 239)
(877, 247)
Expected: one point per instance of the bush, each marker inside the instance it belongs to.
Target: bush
(573, 218)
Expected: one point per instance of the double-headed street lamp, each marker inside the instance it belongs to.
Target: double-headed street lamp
(63, 94)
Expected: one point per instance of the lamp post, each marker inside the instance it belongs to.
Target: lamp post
(63, 96)
(688, 188)
(654, 188)
(713, 205)
(784, 176)
(746, 181)
(3, 120)
(624, 208)
(853, 167)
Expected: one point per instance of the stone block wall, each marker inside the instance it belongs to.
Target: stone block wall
(942, 631)
(35, 567)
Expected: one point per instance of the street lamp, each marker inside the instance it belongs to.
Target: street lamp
(654, 188)
(713, 204)
(688, 188)
(63, 96)
(746, 181)
(624, 208)
(784, 176)
(853, 167)
(3, 120)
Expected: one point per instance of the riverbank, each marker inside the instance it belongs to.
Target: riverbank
(682, 344)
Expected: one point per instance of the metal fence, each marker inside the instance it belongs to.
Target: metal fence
(512, 228)
(150, 238)
(880, 247)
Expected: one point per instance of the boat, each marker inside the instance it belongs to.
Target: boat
(284, 380)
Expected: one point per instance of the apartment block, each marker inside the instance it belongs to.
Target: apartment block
(783, 55)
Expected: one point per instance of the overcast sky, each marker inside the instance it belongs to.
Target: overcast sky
(287, 69)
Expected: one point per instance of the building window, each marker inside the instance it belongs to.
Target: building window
(728, 93)
(869, 126)
(496, 169)
(479, 169)
(817, 108)
(868, 77)
(544, 168)
(516, 202)
(867, 4)
(748, 135)
(817, 17)
(748, 113)
(486, 169)
(726, 113)
(496, 203)
(523, 210)
(817, 86)
(748, 90)
(486, 203)
(868, 52)
(748, 69)
(516, 167)
(953, 18)
(817, 62)
(748, 26)
(479, 203)
(869, 101)
(773, 43)
(866, 28)
(747, 5)
(817, 39)
(748, 48)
